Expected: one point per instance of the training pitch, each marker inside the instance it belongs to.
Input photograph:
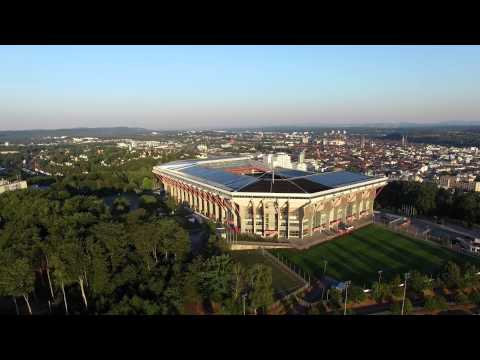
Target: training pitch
(360, 255)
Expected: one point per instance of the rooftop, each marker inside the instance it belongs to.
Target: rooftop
(242, 174)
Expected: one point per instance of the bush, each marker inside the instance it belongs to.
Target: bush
(148, 201)
(318, 309)
(397, 307)
(475, 297)
(395, 287)
(418, 282)
(461, 298)
(335, 298)
(452, 275)
(356, 294)
(436, 303)
(381, 291)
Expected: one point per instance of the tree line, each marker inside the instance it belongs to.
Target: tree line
(452, 284)
(80, 257)
(430, 200)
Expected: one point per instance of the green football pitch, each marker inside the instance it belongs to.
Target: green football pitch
(360, 255)
(282, 281)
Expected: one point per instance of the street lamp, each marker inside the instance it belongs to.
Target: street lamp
(347, 284)
(244, 296)
(407, 275)
(325, 262)
(380, 276)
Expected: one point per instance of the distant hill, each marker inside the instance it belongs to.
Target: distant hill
(25, 135)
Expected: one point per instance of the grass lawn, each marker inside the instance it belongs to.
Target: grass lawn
(359, 255)
(283, 282)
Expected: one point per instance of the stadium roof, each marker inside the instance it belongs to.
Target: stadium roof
(216, 172)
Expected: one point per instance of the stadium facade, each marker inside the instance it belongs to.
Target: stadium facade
(248, 197)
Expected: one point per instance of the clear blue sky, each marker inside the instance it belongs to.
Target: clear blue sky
(168, 87)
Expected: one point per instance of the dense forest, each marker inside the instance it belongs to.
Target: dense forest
(462, 136)
(430, 200)
(86, 258)
(29, 135)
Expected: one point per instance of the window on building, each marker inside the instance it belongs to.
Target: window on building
(349, 210)
(317, 219)
(339, 214)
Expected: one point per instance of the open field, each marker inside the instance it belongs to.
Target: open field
(359, 255)
(283, 282)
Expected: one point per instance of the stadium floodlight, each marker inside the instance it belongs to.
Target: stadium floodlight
(244, 296)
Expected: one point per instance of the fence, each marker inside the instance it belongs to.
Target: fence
(290, 267)
(433, 240)
(327, 235)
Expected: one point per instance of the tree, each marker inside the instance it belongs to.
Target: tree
(147, 184)
(356, 294)
(190, 291)
(259, 279)
(78, 261)
(135, 306)
(435, 303)
(381, 291)
(148, 242)
(470, 277)
(171, 204)
(318, 309)
(335, 298)
(215, 276)
(148, 202)
(444, 202)
(474, 297)
(395, 286)
(62, 275)
(121, 205)
(451, 275)
(69, 261)
(212, 248)
(239, 282)
(173, 238)
(418, 282)
(16, 278)
(461, 298)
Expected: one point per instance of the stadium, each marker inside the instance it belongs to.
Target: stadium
(247, 197)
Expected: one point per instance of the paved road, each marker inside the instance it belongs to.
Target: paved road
(448, 230)
(198, 238)
(435, 229)
(438, 230)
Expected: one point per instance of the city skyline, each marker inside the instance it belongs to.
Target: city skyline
(201, 87)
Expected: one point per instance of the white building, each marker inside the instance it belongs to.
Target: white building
(11, 186)
(301, 166)
(202, 148)
(301, 157)
(277, 160)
